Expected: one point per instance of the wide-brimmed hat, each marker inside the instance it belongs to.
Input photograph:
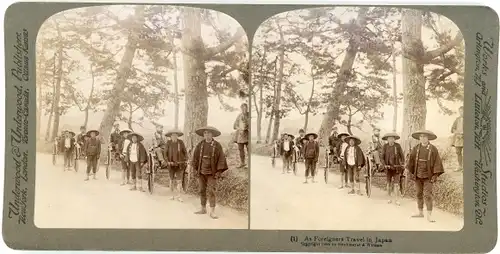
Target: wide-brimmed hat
(311, 133)
(126, 130)
(178, 132)
(96, 132)
(139, 136)
(356, 139)
(340, 135)
(72, 133)
(376, 128)
(391, 134)
(202, 130)
(430, 134)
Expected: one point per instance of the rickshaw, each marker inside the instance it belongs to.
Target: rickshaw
(372, 170)
(154, 169)
(110, 160)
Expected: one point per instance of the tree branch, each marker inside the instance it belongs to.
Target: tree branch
(429, 55)
(223, 46)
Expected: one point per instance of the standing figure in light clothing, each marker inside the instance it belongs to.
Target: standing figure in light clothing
(341, 146)
(287, 150)
(137, 158)
(355, 161)
(458, 138)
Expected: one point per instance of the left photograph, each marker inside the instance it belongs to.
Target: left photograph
(142, 119)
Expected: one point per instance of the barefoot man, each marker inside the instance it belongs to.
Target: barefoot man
(176, 156)
(242, 135)
(426, 165)
(392, 160)
(311, 155)
(208, 163)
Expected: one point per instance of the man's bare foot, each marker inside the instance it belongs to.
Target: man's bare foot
(86, 179)
(306, 181)
(180, 199)
(397, 203)
(202, 211)
(341, 187)
(213, 216)
(172, 198)
(351, 192)
(429, 217)
(418, 215)
(122, 184)
(133, 188)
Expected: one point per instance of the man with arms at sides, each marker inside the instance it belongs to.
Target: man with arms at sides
(458, 138)
(286, 151)
(176, 156)
(208, 163)
(426, 166)
(311, 155)
(392, 160)
(341, 146)
(124, 142)
(93, 149)
(241, 125)
(137, 158)
(354, 161)
(68, 145)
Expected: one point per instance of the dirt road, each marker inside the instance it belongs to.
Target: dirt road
(65, 200)
(283, 202)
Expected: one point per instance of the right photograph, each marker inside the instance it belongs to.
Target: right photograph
(357, 121)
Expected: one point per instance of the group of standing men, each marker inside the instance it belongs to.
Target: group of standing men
(88, 144)
(208, 161)
(424, 163)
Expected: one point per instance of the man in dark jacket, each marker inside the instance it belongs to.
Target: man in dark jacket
(311, 155)
(286, 151)
(80, 140)
(354, 160)
(392, 159)
(114, 141)
(68, 148)
(137, 158)
(333, 141)
(426, 166)
(299, 143)
(208, 162)
(176, 156)
(93, 150)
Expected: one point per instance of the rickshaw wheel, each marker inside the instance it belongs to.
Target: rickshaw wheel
(54, 159)
(402, 185)
(108, 164)
(368, 178)
(185, 180)
(151, 168)
(273, 162)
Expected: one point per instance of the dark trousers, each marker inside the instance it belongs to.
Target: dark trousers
(310, 167)
(126, 168)
(92, 163)
(353, 173)
(67, 157)
(136, 170)
(208, 187)
(176, 172)
(393, 176)
(460, 155)
(424, 193)
(241, 148)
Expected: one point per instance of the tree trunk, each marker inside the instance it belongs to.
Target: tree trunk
(306, 120)
(89, 99)
(195, 77)
(176, 90)
(345, 72)
(394, 92)
(49, 125)
(414, 106)
(259, 106)
(268, 134)
(277, 98)
(58, 81)
(113, 106)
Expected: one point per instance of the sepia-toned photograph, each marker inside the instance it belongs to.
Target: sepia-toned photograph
(142, 119)
(357, 121)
